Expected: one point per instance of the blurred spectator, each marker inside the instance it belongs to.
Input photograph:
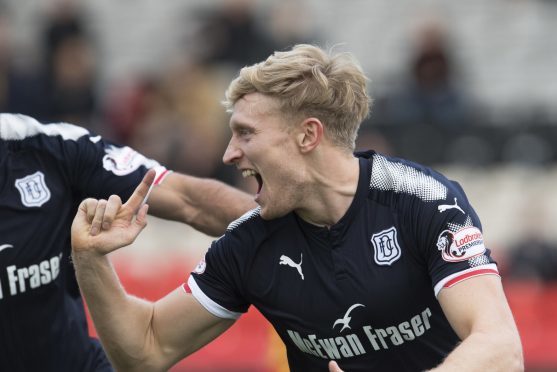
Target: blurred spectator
(430, 94)
(195, 92)
(70, 71)
(534, 255)
(371, 137)
(126, 105)
(145, 120)
(533, 258)
(230, 35)
(19, 89)
(289, 22)
(175, 118)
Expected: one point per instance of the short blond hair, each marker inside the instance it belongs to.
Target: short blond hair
(310, 82)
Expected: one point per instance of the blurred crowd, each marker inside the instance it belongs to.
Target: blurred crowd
(174, 114)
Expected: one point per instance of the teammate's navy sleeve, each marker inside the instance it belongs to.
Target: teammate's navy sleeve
(93, 166)
(99, 167)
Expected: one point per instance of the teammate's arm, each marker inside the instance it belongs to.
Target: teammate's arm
(136, 334)
(207, 205)
(480, 315)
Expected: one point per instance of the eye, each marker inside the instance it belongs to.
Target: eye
(244, 132)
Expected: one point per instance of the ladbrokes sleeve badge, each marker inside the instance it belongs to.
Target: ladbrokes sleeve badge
(461, 245)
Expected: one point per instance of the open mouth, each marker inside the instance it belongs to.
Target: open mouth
(252, 173)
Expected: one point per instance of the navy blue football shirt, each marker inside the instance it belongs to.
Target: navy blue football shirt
(363, 292)
(45, 172)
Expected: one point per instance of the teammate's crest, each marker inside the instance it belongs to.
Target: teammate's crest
(386, 247)
(33, 190)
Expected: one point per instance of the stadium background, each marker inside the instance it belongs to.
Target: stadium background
(468, 87)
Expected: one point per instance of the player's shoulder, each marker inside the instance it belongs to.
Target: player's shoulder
(251, 222)
(20, 127)
(400, 177)
(59, 140)
(248, 220)
(251, 229)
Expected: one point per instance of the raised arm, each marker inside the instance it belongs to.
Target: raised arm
(207, 205)
(137, 335)
(480, 315)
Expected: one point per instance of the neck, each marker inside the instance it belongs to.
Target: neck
(334, 181)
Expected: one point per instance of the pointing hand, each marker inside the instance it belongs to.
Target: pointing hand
(122, 222)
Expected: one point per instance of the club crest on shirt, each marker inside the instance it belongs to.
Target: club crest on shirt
(33, 190)
(386, 247)
(461, 245)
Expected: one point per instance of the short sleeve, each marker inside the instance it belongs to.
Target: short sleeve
(91, 165)
(216, 282)
(100, 168)
(451, 239)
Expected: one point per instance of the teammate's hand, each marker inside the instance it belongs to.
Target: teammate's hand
(333, 367)
(125, 221)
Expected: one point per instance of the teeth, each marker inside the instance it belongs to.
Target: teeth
(248, 172)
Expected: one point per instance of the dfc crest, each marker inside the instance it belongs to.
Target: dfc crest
(386, 247)
(33, 190)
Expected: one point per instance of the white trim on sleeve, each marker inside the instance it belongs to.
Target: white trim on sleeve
(211, 306)
(449, 281)
(161, 174)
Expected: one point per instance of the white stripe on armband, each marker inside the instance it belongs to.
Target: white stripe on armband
(449, 281)
(161, 173)
(211, 306)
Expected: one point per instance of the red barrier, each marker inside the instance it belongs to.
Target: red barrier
(534, 306)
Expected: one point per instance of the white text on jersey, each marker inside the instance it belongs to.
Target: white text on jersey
(21, 279)
(351, 345)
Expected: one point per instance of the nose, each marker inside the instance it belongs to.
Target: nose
(232, 154)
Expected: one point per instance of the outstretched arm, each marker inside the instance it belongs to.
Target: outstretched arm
(136, 334)
(207, 205)
(478, 312)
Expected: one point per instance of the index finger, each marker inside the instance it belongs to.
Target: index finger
(139, 196)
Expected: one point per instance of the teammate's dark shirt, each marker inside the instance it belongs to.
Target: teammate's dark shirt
(45, 172)
(362, 292)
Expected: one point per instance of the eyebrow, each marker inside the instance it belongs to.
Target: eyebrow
(235, 125)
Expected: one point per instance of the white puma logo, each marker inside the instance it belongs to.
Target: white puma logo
(5, 246)
(443, 207)
(345, 321)
(285, 260)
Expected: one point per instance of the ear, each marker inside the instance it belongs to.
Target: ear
(310, 135)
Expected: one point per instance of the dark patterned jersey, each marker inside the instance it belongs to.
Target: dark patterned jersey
(362, 292)
(45, 172)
